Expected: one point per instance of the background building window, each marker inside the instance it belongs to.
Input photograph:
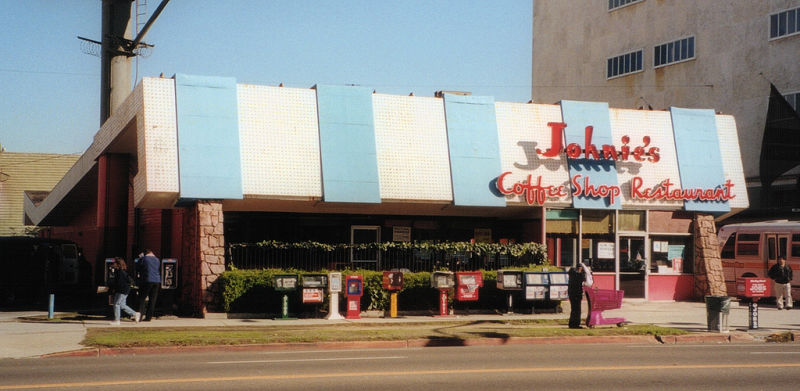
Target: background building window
(784, 23)
(673, 52)
(614, 4)
(625, 64)
(793, 99)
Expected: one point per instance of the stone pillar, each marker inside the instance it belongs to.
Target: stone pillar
(708, 276)
(204, 251)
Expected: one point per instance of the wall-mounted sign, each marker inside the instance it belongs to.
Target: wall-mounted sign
(607, 152)
(401, 234)
(605, 250)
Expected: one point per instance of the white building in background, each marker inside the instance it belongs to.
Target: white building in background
(721, 54)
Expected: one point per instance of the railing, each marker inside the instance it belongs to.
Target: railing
(252, 256)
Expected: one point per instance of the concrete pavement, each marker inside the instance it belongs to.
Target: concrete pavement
(23, 339)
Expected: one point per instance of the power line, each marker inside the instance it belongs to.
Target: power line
(46, 72)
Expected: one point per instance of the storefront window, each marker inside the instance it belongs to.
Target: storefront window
(671, 254)
(598, 239)
(632, 220)
(562, 236)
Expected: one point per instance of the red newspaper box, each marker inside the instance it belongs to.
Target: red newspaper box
(355, 289)
(467, 284)
(752, 287)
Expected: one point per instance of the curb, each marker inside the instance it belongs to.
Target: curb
(415, 343)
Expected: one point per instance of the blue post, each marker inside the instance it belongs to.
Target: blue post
(52, 305)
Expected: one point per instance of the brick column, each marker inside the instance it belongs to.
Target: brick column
(204, 251)
(708, 277)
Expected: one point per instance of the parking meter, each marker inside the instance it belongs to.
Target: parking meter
(559, 286)
(285, 283)
(169, 273)
(536, 285)
(510, 281)
(334, 288)
(355, 289)
(467, 284)
(393, 282)
(313, 287)
(443, 281)
(752, 289)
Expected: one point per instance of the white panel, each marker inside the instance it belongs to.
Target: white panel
(279, 138)
(732, 160)
(658, 126)
(522, 128)
(411, 142)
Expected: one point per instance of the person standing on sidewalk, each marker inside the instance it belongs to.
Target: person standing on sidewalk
(122, 287)
(149, 268)
(588, 281)
(575, 291)
(782, 277)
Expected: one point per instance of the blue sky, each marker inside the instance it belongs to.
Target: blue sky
(51, 89)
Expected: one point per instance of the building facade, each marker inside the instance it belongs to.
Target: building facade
(189, 164)
(723, 55)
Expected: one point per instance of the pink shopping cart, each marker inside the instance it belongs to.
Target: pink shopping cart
(604, 299)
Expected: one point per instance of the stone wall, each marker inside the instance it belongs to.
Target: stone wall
(708, 276)
(204, 251)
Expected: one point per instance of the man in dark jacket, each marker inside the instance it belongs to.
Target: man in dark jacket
(149, 268)
(781, 274)
(575, 291)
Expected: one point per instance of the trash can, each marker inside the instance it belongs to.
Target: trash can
(717, 310)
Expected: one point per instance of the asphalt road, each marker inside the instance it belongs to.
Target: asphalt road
(514, 367)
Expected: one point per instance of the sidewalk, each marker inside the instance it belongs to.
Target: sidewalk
(19, 339)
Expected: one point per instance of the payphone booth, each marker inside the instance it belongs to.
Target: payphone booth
(355, 289)
(393, 282)
(536, 285)
(467, 284)
(169, 273)
(108, 271)
(443, 281)
(510, 281)
(314, 288)
(559, 286)
(751, 289)
(334, 288)
(285, 283)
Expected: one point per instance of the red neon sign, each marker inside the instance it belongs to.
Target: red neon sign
(665, 191)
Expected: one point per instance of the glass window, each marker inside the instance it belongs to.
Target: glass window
(631, 220)
(784, 23)
(614, 4)
(691, 48)
(728, 250)
(747, 244)
(796, 245)
(671, 254)
(675, 51)
(624, 64)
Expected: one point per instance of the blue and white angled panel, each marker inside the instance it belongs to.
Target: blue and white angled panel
(347, 144)
(600, 172)
(699, 157)
(208, 137)
(474, 150)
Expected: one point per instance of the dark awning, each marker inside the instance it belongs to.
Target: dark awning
(780, 148)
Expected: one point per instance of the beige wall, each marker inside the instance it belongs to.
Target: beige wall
(26, 171)
(573, 39)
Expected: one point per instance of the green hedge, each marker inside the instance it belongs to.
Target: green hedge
(252, 291)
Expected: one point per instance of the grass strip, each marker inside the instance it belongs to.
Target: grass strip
(237, 335)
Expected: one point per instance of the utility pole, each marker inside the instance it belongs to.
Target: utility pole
(115, 57)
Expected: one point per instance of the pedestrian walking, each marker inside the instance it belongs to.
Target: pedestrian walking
(122, 287)
(781, 275)
(149, 268)
(577, 277)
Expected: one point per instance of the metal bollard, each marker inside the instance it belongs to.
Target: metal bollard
(753, 315)
(51, 308)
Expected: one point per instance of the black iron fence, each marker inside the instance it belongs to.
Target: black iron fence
(255, 256)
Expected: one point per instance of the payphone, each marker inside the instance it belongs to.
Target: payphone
(510, 281)
(443, 281)
(334, 288)
(355, 289)
(169, 273)
(393, 282)
(285, 283)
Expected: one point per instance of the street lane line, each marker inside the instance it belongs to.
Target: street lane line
(307, 360)
(774, 352)
(142, 382)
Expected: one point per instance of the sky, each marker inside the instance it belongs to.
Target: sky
(50, 89)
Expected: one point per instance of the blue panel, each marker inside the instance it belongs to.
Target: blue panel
(347, 144)
(474, 150)
(699, 157)
(601, 173)
(208, 137)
